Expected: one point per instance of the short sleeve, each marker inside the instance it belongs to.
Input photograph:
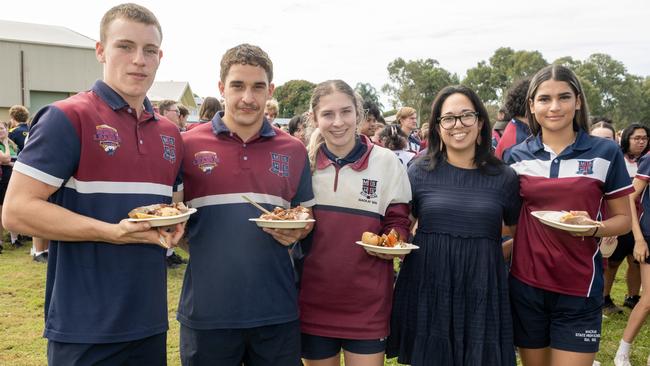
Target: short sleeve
(512, 204)
(643, 172)
(305, 193)
(617, 182)
(51, 155)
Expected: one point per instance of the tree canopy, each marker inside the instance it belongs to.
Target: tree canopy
(293, 97)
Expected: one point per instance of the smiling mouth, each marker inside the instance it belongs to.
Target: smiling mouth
(458, 135)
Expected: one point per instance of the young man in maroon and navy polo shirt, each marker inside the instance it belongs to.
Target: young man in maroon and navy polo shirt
(89, 160)
(239, 299)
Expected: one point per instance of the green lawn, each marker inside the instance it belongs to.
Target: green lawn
(22, 285)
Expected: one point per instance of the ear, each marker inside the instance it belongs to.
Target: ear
(160, 54)
(578, 102)
(531, 105)
(222, 87)
(271, 90)
(99, 52)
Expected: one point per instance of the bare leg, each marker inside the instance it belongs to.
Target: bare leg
(355, 359)
(641, 310)
(566, 358)
(332, 361)
(535, 356)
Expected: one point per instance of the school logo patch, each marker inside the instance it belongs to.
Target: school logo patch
(169, 148)
(279, 165)
(108, 138)
(585, 167)
(206, 161)
(369, 188)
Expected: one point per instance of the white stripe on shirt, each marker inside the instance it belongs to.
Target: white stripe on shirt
(38, 174)
(119, 187)
(230, 198)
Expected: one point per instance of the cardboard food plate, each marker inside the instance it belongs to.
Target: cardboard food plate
(167, 220)
(552, 219)
(389, 250)
(282, 224)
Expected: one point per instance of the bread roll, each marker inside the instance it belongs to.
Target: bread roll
(370, 238)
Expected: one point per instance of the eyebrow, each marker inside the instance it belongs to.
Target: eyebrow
(131, 42)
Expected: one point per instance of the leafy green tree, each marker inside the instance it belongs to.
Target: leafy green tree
(369, 94)
(415, 83)
(491, 80)
(293, 97)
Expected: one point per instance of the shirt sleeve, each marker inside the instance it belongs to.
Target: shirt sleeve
(643, 172)
(305, 193)
(51, 155)
(617, 182)
(512, 205)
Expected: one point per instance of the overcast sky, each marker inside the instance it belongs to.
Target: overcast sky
(355, 40)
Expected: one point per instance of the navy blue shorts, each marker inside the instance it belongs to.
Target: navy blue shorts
(543, 319)
(319, 348)
(269, 345)
(147, 351)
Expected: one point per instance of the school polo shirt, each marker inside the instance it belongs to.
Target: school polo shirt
(515, 133)
(643, 173)
(238, 275)
(578, 179)
(106, 161)
(346, 293)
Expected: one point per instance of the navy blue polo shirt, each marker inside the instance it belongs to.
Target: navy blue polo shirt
(238, 275)
(643, 173)
(578, 179)
(106, 161)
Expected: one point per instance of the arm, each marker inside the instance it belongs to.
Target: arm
(619, 221)
(27, 210)
(640, 246)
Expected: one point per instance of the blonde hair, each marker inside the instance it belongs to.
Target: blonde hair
(328, 87)
(404, 112)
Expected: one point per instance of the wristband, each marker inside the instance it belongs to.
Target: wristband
(595, 232)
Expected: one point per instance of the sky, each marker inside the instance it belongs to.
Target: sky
(356, 40)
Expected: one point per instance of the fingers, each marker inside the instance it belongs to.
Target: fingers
(285, 237)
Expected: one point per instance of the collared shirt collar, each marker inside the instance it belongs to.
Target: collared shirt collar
(115, 101)
(218, 126)
(322, 161)
(581, 143)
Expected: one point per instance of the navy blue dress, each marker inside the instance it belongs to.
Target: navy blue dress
(451, 304)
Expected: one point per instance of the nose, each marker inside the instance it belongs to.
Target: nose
(555, 104)
(138, 57)
(248, 96)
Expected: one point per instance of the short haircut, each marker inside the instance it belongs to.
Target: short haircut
(515, 103)
(403, 113)
(184, 112)
(166, 105)
(272, 105)
(19, 113)
(128, 11)
(246, 54)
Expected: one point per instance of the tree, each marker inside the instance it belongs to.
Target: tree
(415, 83)
(293, 97)
(369, 94)
(492, 80)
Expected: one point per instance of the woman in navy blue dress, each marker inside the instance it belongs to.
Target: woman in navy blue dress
(451, 303)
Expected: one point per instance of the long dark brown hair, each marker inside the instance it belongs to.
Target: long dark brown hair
(436, 151)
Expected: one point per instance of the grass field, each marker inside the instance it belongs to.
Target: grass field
(22, 286)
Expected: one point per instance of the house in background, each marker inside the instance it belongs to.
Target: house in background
(40, 64)
(179, 91)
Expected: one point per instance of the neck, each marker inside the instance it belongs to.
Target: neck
(341, 151)
(406, 130)
(462, 159)
(559, 140)
(136, 103)
(245, 132)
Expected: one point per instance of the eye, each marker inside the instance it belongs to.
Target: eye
(151, 51)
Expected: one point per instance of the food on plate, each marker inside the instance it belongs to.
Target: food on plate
(391, 240)
(158, 210)
(572, 218)
(279, 213)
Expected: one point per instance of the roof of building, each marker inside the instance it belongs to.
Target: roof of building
(179, 91)
(51, 35)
